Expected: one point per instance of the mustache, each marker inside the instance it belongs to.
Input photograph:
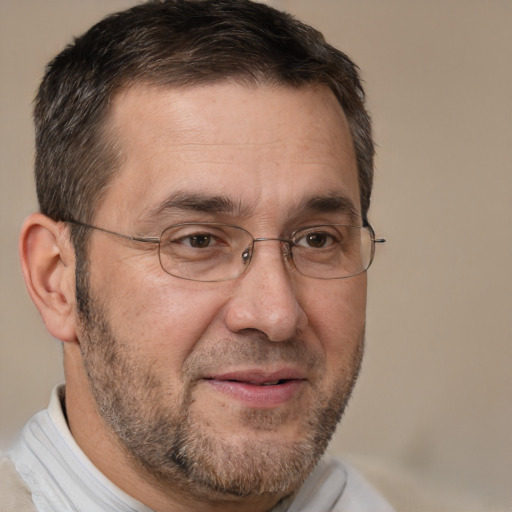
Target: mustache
(254, 350)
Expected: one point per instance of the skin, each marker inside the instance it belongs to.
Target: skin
(267, 151)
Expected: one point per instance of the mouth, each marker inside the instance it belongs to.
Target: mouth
(259, 389)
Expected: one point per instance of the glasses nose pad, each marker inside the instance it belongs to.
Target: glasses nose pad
(247, 255)
(287, 253)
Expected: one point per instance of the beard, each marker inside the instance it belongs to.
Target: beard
(168, 440)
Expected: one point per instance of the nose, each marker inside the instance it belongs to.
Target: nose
(265, 298)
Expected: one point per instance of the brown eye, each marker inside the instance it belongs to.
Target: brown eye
(315, 240)
(199, 241)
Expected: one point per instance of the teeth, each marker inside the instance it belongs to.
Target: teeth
(270, 383)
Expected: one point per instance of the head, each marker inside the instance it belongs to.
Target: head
(175, 44)
(203, 111)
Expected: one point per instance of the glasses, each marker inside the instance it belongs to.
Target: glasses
(218, 252)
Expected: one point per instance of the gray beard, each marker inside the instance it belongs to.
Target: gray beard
(174, 448)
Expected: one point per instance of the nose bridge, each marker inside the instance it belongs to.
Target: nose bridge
(266, 298)
(284, 243)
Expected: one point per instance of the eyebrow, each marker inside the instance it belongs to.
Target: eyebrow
(331, 203)
(217, 204)
(198, 202)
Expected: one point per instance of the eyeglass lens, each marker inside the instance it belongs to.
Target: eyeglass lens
(216, 252)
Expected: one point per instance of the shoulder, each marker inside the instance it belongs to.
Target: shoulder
(15, 496)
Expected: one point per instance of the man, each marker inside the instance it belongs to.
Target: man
(204, 171)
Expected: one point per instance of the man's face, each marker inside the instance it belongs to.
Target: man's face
(232, 386)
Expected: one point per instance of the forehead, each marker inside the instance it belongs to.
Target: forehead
(253, 145)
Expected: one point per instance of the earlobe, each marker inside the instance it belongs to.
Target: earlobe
(48, 263)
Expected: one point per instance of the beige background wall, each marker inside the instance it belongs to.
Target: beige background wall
(435, 395)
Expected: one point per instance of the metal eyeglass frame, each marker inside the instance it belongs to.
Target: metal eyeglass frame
(288, 241)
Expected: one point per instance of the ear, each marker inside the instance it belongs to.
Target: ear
(48, 265)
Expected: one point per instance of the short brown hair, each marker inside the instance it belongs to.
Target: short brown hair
(174, 43)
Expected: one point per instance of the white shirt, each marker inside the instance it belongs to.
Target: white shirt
(62, 478)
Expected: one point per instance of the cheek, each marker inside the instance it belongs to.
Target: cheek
(337, 314)
(154, 312)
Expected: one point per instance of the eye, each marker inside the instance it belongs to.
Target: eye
(202, 240)
(194, 237)
(315, 240)
(198, 241)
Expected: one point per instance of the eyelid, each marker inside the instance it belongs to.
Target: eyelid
(318, 227)
(187, 240)
(222, 233)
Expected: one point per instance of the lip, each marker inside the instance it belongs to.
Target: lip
(259, 389)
